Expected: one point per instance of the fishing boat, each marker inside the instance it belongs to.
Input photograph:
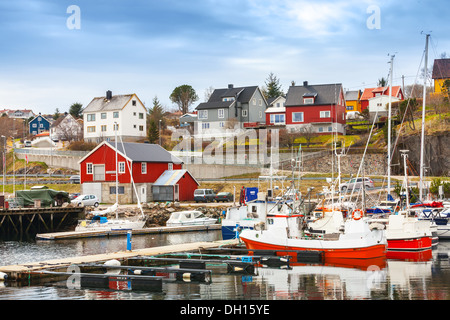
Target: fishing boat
(358, 239)
(100, 222)
(189, 218)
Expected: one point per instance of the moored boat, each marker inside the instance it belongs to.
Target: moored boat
(189, 218)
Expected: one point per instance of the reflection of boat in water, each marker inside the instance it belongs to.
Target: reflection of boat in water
(422, 255)
(189, 218)
(332, 281)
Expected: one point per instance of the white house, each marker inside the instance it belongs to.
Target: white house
(124, 113)
(379, 105)
(66, 128)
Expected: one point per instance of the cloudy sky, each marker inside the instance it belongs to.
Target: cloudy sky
(52, 55)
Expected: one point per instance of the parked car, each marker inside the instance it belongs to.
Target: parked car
(73, 196)
(74, 179)
(27, 144)
(224, 196)
(204, 195)
(86, 200)
(356, 183)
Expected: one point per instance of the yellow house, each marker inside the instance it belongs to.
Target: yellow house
(441, 75)
(353, 100)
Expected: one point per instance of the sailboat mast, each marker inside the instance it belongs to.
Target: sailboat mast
(422, 143)
(117, 173)
(389, 128)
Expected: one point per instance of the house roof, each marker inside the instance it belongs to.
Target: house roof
(140, 152)
(171, 177)
(369, 92)
(117, 102)
(326, 94)
(352, 95)
(241, 94)
(441, 69)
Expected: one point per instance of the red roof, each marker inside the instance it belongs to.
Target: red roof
(370, 92)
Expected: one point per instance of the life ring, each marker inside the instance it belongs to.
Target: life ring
(358, 215)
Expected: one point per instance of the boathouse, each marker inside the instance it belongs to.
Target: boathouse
(174, 185)
(138, 163)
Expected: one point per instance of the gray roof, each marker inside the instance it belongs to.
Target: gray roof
(352, 95)
(145, 152)
(241, 94)
(117, 102)
(441, 69)
(326, 94)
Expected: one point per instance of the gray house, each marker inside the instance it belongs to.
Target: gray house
(232, 108)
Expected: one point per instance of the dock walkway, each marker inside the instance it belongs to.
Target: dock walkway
(26, 270)
(108, 233)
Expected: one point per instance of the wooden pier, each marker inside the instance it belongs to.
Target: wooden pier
(111, 233)
(33, 272)
(26, 221)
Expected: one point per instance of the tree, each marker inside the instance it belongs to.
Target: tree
(183, 96)
(76, 109)
(382, 82)
(273, 87)
(56, 114)
(156, 113)
(153, 132)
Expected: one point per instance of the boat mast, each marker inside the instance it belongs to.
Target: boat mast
(117, 173)
(389, 129)
(422, 143)
(405, 155)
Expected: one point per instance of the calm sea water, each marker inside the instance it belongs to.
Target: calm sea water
(424, 277)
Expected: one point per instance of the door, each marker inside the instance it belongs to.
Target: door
(143, 194)
(176, 196)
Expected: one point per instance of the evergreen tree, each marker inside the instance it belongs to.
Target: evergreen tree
(273, 87)
(153, 132)
(76, 109)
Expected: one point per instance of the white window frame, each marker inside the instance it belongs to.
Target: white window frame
(89, 168)
(121, 167)
(221, 113)
(325, 114)
(90, 117)
(308, 100)
(293, 117)
(202, 114)
(273, 118)
(244, 113)
(144, 167)
(170, 166)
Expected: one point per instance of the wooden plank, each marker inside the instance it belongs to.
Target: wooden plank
(154, 230)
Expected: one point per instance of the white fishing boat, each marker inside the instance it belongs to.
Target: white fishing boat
(189, 218)
(100, 222)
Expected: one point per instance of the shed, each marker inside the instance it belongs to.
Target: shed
(174, 185)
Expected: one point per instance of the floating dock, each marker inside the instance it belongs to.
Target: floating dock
(34, 271)
(121, 232)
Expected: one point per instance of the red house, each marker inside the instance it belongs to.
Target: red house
(320, 107)
(370, 93)
(138, 163)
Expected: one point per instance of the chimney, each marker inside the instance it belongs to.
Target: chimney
(305, 83)
(108, 95)
(230, 86)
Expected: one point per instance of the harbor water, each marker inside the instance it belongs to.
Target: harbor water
(425, 276)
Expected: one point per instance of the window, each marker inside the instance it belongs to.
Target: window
(221, 124)
(330, 129)
(34, 125)
(260, 114)
(141, 115)
(350, 108)
(133, 102)
(205, 125)
(170, 166)
(121, 167)
(277, 118)
(134, 114)
(228, 99)
(103, 115)
(260, 102)
(115, 114)
(254, 101)
(91, 129)
(308, 100)
(221, 113)
(112, 190)
(141, 128)
(103, 128)
(144, 167)
(320, 129)
(89, 168)
(324, 114)
(297, 117)
(203, 114)
(90, 117)
(244, 113)
(116, 127)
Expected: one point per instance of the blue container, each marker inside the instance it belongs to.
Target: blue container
(251, 194)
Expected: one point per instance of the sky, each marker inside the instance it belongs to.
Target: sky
(56, 53)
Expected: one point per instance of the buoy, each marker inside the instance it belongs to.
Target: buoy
(3, 276)
(112, 263)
